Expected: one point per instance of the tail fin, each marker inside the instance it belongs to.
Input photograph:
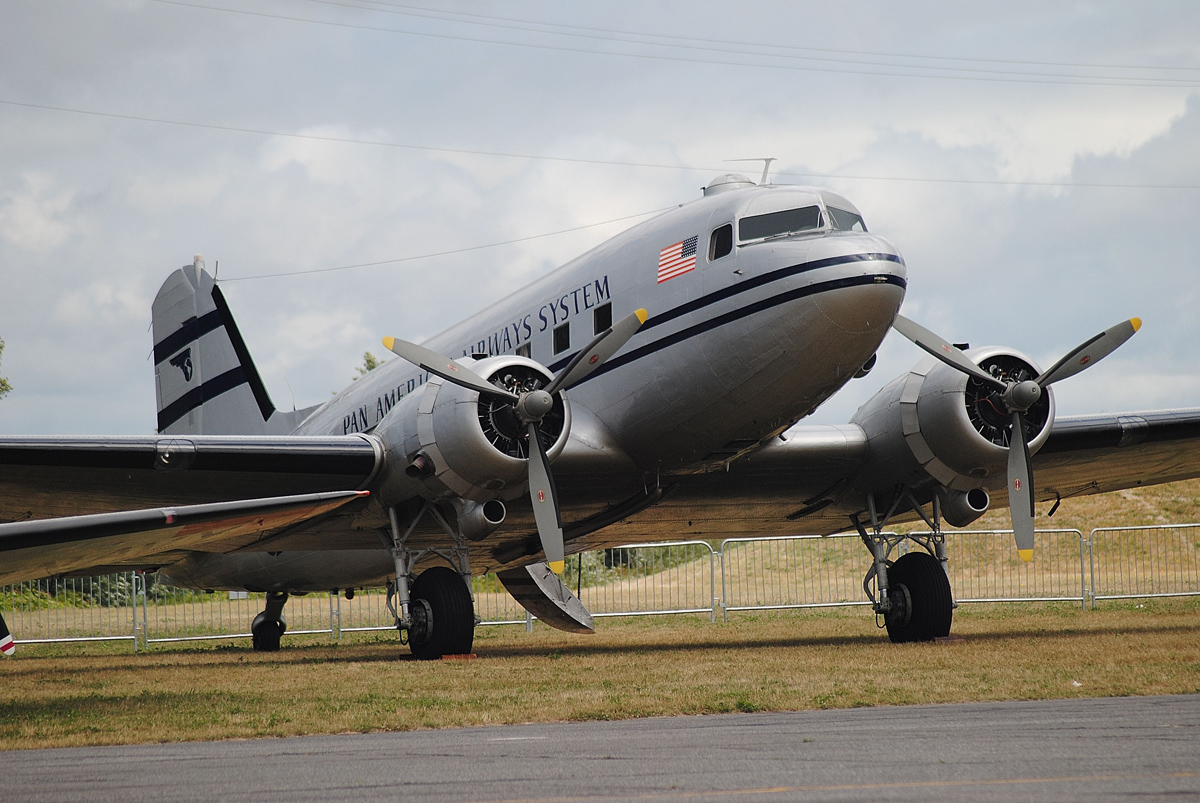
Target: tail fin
(206, 382)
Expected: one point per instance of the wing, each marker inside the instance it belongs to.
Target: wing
(806, 483)
(48, 477)
(80, 503)
(48, 547)
(1097, 454)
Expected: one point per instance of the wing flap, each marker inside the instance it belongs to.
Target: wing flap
(48, 547)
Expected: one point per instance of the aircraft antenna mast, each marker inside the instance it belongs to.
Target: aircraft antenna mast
(766, 160)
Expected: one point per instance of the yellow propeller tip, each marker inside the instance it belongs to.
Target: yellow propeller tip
(388, 342)
(558, 566)
(1026, 554)
(1137, 323)
(642, 314)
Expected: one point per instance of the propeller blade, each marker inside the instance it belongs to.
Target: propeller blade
(603, 346)
(944, 351)
(1091, 352)
(446, 368)
(1020, 489)
(545, 503)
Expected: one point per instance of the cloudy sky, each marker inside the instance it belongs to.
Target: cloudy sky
(1037, 164)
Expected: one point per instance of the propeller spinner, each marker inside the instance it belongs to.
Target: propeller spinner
(531, 407)
(1017, 398)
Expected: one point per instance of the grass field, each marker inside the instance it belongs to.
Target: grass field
(56, 696)
(99, 693)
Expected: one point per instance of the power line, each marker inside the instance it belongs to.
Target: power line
(446, 14)
(1062, 80)
(575, 160)
(447, 253)
(726, 46)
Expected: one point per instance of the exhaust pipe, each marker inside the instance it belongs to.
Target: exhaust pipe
(478, 521)
(960, 508)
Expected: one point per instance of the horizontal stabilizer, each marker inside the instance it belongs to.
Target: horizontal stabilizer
(49, 547)
(542, 593)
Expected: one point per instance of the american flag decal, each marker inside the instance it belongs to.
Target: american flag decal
(675, 260)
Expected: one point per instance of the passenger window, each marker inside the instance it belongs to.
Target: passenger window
(846, 221)
(562, 338)
(523, 350)
(720, 243)
(601, 318)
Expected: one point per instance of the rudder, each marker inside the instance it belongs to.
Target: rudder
(205, 380)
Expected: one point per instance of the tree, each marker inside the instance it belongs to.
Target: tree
(5, 385)
(370, 363)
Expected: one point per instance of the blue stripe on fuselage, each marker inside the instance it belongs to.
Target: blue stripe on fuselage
(750, 309)
(766, 278)
(734, 315)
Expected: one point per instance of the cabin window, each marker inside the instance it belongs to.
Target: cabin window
(777, 224)
(523, 350)
(562, 338)
(601, 318)
(720, 243)
(846, 221)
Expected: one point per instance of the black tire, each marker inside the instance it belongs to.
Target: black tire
(923, 605)
(266, 633)
(451, 629)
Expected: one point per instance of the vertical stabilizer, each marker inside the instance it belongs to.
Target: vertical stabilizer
(206, 382)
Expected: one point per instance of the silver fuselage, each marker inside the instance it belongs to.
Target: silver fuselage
(733, 352)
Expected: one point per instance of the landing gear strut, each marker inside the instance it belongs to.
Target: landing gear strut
(435, 613)
(914, 596)
(269, 625)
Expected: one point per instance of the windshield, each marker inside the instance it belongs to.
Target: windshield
(789, 221)
(846, 221)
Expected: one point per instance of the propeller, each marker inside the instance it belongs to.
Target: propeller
(531, 407)
(1017, 398)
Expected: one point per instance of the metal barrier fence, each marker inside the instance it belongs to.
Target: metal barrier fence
(639, 580)
(801, 571)
(1160, 561)
(984, 567)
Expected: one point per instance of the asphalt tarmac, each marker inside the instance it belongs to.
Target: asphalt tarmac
(1144, 748)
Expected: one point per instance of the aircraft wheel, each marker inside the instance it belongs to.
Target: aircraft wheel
(266, 633)
(922, 605)
(443, 615)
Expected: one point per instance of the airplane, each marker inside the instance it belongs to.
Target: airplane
(650, 389)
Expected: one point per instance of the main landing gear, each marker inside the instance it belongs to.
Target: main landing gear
(269, 625)
(435, 613)
(914, 596)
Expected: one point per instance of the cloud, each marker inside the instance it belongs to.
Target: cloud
(37, 217)
(95, 212)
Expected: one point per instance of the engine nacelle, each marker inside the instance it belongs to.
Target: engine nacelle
(446, 441)
(937, 422)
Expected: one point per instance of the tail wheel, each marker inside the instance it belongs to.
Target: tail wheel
(450, 625)
(922, 605)
(266, 633)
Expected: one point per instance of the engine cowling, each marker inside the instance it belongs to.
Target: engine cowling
(447, 441)
(936, 422)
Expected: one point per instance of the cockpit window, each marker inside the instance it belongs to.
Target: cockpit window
(789, 221)
(846, 221)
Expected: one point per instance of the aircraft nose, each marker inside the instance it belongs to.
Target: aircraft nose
(867, 302)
